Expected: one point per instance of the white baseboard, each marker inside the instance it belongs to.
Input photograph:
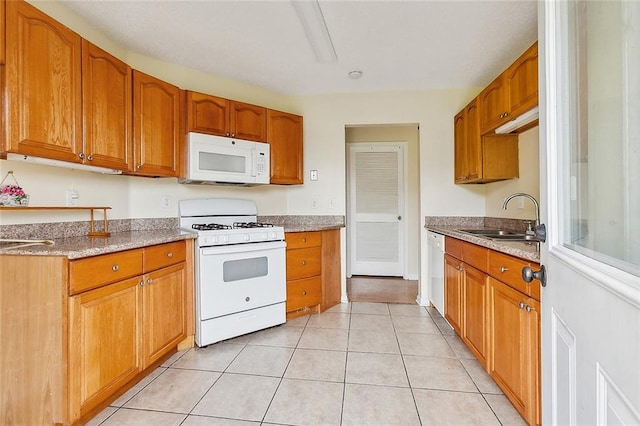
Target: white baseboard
(422, 301)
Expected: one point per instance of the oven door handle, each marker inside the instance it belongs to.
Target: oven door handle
(242, 248)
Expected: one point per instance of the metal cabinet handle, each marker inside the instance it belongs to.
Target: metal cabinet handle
(139, 166)
(528, 308)
(233, 135)
(227, 134)
(521, 305)
(503, 269)
(304, 262)
(90, 157)
(304, 240)
(149, 281)
(304, 293)
(81, 155)
(170, 254)
(115, 268)
(142, 282)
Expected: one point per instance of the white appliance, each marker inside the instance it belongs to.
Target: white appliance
(240, 269)
(219, 160)
(436, 270)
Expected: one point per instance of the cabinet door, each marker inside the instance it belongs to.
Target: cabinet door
(164, 311)
(207, 114)
(248, 121)
(460, 147)
(494, 104)
(106, 107)
(473, 142)
(104, 343)
(2, 31)
(475, 312)
(522, 78)
(156, 126)
(514, 349)
(453, 292)
(43, 85)
(284, 135)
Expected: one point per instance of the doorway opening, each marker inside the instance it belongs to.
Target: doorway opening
(383, 205)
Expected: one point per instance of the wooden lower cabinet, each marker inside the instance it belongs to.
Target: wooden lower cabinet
(104, 342)
(514, 324)
(453, 292)
(70, 349)
(313, 271)
(474, 324)
(497, 316)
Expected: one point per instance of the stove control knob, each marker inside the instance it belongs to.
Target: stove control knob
(272, 235)
(247, 238)
(263, 236)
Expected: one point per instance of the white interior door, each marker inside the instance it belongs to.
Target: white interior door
(590, 129)
(376, 209)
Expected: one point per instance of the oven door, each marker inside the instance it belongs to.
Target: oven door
(240, 277)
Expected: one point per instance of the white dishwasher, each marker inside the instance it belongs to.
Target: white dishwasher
(436, 270)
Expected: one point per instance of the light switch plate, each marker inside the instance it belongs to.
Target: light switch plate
(313, 175)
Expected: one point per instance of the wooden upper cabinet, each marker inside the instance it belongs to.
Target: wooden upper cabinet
(522, 79)
(248, 121)
(157, 130)
(106, 104)
(494, 104)
(2, 30)
(207, 114)
(512, 93)
(285, 137)
(468, 145)
(43, 85)
(223, 117)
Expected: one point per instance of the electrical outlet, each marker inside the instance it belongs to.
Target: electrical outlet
(332, 203)
(314, 203)
(166, 201)
(313, 175)
(73, 198)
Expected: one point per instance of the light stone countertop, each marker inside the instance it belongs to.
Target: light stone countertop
(298, 223)
(523, 250)
(79, 247)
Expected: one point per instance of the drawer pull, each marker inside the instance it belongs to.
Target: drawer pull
(170, 255)
(503, 269)
(115, 268)
(304, 262)
(304, 240)
(304, 293)
(521, 305)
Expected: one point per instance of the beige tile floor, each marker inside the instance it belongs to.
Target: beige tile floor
(356, 364)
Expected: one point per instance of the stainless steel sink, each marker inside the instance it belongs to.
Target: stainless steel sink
(502, 234)
(10, 243)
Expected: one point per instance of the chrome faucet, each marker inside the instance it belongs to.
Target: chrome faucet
(535, 203)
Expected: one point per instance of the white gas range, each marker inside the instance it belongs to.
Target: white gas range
(240, 271)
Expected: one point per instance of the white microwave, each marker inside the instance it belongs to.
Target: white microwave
(219, 160)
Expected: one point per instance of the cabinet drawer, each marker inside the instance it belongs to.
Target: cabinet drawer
(303, 263)
(302, 293)
(475, 255)
(162, 255)
(302, 239)
(453, 247)
(508, 269)
(96, 271)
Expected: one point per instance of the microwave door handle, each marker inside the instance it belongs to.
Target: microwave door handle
(254, 160)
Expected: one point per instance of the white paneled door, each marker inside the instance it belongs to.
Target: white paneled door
(590, 131)
(376, 208)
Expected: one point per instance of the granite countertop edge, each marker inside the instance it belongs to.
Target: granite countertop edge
(526, 251)
(80, 247)
(309, 227)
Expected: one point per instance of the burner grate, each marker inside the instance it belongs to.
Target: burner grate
(252, 225)
(210, 226)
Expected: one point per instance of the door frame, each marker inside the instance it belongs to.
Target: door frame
(404, 145)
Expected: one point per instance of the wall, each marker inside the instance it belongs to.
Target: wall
(528, 182)
(409, 134)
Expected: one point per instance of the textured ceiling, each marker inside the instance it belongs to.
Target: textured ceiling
(398, 45)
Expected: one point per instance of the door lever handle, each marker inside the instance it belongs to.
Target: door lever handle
(529, 275)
